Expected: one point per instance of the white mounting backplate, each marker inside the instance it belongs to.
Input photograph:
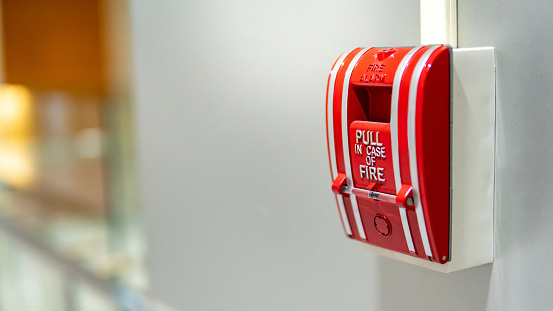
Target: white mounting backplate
(472, 163)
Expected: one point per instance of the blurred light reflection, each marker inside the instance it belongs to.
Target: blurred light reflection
(16, 132)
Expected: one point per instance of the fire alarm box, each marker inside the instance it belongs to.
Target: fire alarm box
(396, 152)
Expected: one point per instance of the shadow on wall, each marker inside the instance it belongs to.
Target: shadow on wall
(402, 285)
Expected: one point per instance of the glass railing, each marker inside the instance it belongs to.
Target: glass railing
(70, 238)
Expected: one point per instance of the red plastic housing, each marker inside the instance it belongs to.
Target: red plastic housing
(388, 133)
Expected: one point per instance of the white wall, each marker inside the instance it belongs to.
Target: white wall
(522, 276)
(235, 184)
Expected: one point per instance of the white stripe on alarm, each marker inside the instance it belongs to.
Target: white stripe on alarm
(330, 122)
(394, 114)
(395, 146)
(345, 141)
(406, 229)
(412, 145)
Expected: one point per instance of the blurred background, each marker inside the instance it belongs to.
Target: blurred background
(70, 237)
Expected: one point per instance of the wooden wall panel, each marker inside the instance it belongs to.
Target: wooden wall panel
(54, 44)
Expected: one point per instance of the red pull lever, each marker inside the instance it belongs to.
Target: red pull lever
(339, 183)
(405, 197)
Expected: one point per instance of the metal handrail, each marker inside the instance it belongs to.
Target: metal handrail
(123, 297)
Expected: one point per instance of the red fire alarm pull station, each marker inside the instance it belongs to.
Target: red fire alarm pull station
(389, 131)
